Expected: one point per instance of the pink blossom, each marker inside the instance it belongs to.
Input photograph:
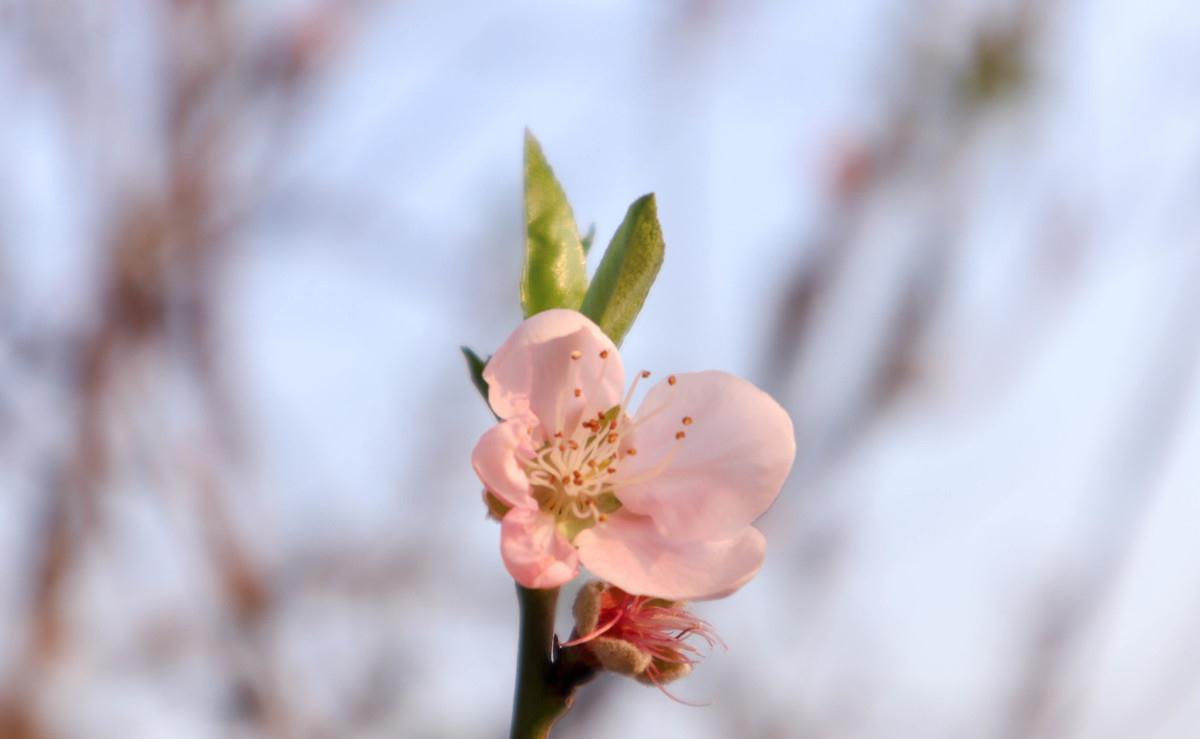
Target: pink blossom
(658, 502)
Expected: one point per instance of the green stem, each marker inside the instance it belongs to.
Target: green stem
(533, 713)
(545, 685)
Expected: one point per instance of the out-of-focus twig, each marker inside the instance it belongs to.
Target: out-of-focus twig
(164, 249)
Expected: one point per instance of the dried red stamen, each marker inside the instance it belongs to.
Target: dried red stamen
(656, 627)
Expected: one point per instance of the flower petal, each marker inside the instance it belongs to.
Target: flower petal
(533, 370)
(629, 552)
(536, 555)
(497, 461)
(727, 468)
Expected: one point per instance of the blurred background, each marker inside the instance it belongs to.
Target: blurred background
(240, 244)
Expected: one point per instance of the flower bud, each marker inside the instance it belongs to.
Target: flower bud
(665, 672)
(638, 635)
(587, 607)
(620, 656)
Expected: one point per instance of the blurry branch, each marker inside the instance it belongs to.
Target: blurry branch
(901, 364)
(1058, 647)
(997, 68)
(806, 288)
(164, 248)
(999, 63)
(916, 162)
(928, 130)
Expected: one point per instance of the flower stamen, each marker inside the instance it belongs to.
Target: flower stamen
(579, 466)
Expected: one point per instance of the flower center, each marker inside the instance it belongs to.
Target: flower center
(574, 472)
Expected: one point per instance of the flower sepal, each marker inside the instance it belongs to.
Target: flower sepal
(496, 508)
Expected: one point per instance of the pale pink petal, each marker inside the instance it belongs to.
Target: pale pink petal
(498, 460)
(535, 553)
(533, 372)
(725, 472)
(629, 552)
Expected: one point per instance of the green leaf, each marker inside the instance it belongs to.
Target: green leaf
(627, 271)
(555, 274)
(588, 238)
(475, 366)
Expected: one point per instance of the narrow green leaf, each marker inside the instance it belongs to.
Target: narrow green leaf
(627, 271)
(588, 238)
(555, 274)
(475, 366)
